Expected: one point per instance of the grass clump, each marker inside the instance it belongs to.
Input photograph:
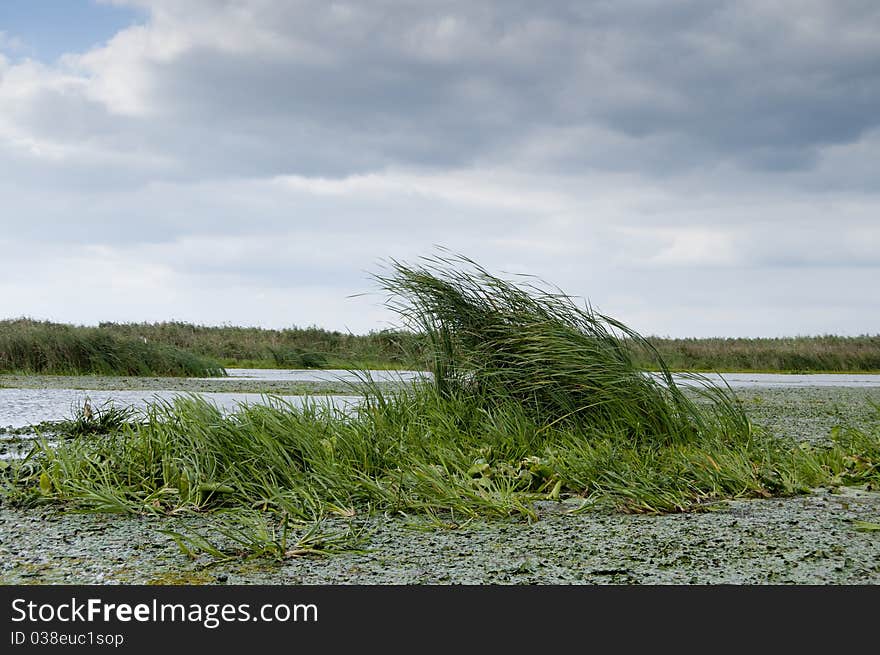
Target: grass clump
(41, 347)
(562, 363)
(533, 398)
(88, 420)
(408, 454)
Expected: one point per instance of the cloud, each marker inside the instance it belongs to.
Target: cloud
(271, 88)
(619, 150)
(10, 43)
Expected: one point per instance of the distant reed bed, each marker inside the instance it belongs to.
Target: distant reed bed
(50, 348)
(294, 347)
(826, 353)
(315, 347)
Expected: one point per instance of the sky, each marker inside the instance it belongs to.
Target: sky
(690, 168)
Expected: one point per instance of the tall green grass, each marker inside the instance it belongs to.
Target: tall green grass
(417, 452)
(41, 347)
(561, 362)
(534, 398)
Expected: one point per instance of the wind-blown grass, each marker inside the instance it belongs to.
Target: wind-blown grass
(533, 398)
(41, 347)
(561, 362)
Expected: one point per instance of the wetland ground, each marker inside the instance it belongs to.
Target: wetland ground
(820, 538)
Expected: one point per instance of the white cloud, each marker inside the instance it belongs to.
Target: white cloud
(9, 43)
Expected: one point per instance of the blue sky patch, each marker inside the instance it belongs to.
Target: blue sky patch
(47, 29)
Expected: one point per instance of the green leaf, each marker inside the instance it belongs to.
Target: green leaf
(216, 487)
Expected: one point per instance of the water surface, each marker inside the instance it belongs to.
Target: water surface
(733, 379)
(790, 380)
(318, 375)
(23, 407)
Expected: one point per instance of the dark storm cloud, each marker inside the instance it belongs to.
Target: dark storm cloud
(333, 89)
(451, 84)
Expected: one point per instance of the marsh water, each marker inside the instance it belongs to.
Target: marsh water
(23, 407)
(860, 380)
(318, 375)
(733, 379)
